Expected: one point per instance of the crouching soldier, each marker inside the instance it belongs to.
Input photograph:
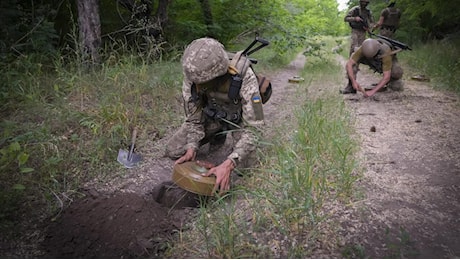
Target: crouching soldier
(380, 56)
(217, 102)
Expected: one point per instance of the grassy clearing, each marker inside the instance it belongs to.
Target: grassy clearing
(63, 127)
(280, 209)
(439, 60)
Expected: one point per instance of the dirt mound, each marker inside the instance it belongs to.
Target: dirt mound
(133, 217)
(122, 225)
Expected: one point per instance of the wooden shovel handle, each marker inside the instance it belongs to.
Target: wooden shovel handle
(133, 136)
(133, 140)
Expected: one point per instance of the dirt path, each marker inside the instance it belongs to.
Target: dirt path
(411, 180)
(412, 172)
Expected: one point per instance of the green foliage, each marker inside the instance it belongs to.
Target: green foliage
(421, 20)
(62, 127)
(354, 252)
(27, 29)
(399, 244)
(439, 60)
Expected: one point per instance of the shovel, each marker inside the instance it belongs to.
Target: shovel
(128, 158)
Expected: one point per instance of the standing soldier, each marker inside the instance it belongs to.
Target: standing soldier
(389, 20)
(360, 20)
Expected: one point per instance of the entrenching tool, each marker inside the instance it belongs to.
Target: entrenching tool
(128, 158)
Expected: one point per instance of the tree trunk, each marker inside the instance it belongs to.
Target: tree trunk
(207, 15)
(89, 31)
(162, 12)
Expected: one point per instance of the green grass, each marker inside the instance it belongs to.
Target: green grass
(438, 60)
(61, 128)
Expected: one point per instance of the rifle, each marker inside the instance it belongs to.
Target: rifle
(248, 51)
(394, 42)
(262, 42)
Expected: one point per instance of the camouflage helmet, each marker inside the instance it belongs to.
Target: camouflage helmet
(204, 59)
(370, 48)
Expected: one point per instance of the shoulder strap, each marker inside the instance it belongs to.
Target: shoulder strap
(393, 52)
(239, 64)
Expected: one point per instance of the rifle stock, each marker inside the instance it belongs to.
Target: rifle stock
(262, 42)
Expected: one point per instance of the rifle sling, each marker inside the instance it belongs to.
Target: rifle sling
(389, 53)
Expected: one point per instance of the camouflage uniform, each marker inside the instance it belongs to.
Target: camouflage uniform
(358, 32)
(385, 61)
(389, 17)
(210, 113)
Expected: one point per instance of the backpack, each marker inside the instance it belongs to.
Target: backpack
(239, 64)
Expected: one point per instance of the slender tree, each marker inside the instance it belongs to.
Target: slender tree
(207, 15)
(89, 31)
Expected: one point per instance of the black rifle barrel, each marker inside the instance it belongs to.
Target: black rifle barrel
(395, 42)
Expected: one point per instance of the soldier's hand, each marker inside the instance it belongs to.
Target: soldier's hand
(358, 88)
(189, 155)
(222, 173)
(369, 93)
(205, 164)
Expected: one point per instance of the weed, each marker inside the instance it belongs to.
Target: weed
(439, 60)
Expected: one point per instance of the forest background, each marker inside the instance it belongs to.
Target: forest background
(64, 64)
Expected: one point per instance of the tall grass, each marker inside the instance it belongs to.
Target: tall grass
(62, 125)
(439, 60)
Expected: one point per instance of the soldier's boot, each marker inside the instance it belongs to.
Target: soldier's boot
(348, 89)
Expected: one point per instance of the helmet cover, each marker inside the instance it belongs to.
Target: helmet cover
(204, 59)
(370, 48)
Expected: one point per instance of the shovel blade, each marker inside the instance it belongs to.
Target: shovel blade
(127, 159)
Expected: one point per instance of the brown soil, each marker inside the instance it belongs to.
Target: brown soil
(411, 199)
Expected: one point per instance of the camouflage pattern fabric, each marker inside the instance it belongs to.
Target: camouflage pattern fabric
(198, 126)
(357, 38)
(358, 35)
(386, 32)
(204, 59)
(391, 17)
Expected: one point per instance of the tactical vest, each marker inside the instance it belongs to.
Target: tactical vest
(221, 99)
(356, 11)
(217, 105)
(392, 19)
